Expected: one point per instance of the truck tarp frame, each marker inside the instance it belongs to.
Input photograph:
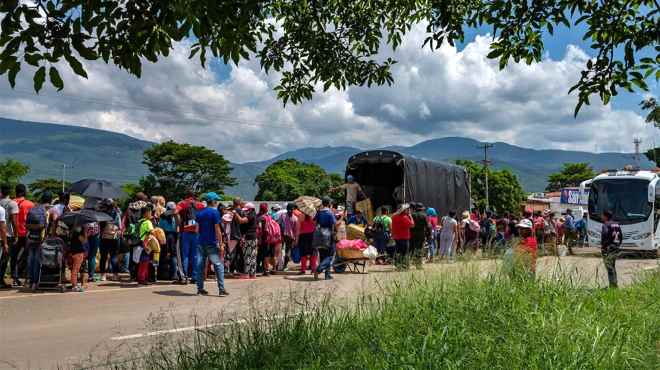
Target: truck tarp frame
(440, 185)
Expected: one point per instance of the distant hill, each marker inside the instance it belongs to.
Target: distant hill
(118, 158)
(86, 152)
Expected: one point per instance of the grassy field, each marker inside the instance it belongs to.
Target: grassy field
(438, 321)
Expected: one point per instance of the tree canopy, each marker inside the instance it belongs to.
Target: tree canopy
(571, 175)
(504, 190)
(11, 171)
(652, 117)
(38, 187)
(288, 179)
(334, 43)
(176, 169)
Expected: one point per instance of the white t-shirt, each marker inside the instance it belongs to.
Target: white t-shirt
(3, 217)
(448, 224)
(10, 208)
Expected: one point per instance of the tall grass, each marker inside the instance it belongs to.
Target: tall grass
(437, 321)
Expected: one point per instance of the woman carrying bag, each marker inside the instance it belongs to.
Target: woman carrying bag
(324, 239)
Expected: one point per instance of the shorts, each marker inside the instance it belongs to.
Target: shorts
(267, 250)
(305, 242)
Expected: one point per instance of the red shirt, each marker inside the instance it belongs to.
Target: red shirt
(401, 225)
(529, 244)
(24, 207)
(307, 225)
(185, 204)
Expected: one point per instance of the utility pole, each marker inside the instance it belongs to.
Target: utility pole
(63, 175)
(486, 164)
(638, 158)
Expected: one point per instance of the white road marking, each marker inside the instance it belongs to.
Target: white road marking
(191, 328)
(177, 330)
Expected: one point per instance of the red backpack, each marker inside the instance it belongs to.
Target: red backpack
(271, 232)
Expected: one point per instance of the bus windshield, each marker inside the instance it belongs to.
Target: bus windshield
(625, 198)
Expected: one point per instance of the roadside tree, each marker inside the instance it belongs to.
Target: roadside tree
(288, 179)
(53, 185)
(11, 171)
(177, 168)
(570, 176)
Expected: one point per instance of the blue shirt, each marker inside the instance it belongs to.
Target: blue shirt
(326, 219)
(207, 219)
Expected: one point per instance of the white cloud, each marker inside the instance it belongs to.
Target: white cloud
(435, 94)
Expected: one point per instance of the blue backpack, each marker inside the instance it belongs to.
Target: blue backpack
(36, 223)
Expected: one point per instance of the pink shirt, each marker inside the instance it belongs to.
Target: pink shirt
(433, 221)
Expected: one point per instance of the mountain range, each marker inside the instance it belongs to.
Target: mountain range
(117, 157)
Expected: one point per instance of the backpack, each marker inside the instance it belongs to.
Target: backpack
(272, 233)
(379, 224)
(189, 214)
(132, 233)
(474, 226)
(36, 222)
(569, 226)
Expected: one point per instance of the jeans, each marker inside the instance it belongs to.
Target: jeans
(171, 239)
(34, 262)
(109, 248)
(609, 259)
(432, 244)
(327, 256)
(190, 254)
(211, 252)
(94, 242)
(126, 262)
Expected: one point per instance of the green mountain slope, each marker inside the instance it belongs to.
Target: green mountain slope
(118, 158)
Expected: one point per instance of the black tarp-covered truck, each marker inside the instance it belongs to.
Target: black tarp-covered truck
(389, 179)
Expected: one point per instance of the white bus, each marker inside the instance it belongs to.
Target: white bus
(633, 197)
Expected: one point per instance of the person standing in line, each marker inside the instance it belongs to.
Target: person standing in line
(449, 236)
(57, 211)
(109, 247)
(11, 214)
(93, 231)
(77, 252)
(611, 239)
(290, 225)
(250, 249)
(419, 234)
(526, 250)
(266, 248)
(18, 261)
(4, 246)
(37, 227)
(325, 219)
(211, 243)
(235, 253)
(187, 210)
(146, 229)
(306, 245)
(432, 216)
(570, 231)
(170, 225)
(382, 229)
(402, 223)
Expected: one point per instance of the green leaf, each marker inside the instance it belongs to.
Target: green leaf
(75, 65)
(39, 78)
(55, 78)
(12, 74)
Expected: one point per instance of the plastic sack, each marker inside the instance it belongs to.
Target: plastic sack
(137, 252)
(371, 252)
(352, 244)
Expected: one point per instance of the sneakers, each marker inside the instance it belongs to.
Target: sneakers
(17, 283)
(78, 289)
(103, 277)
(223, 293)
(202, 292)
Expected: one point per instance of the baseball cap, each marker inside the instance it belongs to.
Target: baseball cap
(212, 197)
(525, 224)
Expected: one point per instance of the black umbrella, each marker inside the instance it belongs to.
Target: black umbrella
(93, 188)
(84, 217)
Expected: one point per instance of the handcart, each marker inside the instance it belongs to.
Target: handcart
(350, 259)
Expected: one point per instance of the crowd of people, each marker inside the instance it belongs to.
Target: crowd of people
(186, 241)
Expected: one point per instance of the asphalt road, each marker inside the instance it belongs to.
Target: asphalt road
(50, 330)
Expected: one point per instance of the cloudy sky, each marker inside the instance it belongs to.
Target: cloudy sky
(449, 92)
